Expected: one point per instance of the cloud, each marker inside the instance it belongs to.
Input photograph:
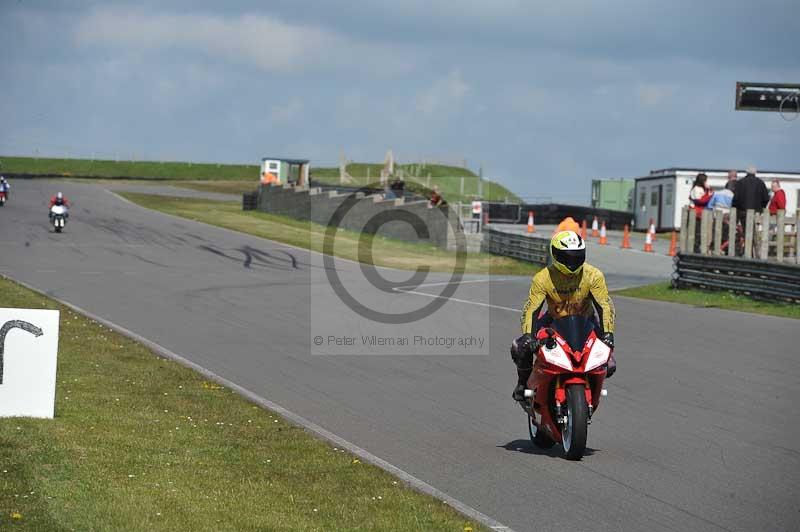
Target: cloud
(264, 41)
(653, 95)
(285, 114)
(444, 95)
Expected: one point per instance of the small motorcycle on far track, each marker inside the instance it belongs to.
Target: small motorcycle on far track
(58, 217)
(564, 389)
(3, 199)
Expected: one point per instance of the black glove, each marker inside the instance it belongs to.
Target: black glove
(608, 339)
(525, 343)
(611, 367)
(522, 348)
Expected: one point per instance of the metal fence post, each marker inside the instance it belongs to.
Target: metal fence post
(718, 215)
(797, 237)
(749, 220)
(705, 218)
(684, 229)
(732, 232)
(779, 234)
(764, 247)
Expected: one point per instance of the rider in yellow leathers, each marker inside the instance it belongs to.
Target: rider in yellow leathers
(570, 287)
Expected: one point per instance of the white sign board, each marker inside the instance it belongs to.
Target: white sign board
(28, 350)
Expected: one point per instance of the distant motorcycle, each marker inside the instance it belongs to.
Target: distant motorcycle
(565, 387)
(2, 199)
(58, 217)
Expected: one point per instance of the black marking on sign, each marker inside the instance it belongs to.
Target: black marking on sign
(14, 324)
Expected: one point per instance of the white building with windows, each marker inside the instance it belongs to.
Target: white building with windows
(662, 195)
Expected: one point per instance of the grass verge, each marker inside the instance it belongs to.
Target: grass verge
(225, 187)
(448, 178)
(724, 300)
(142, 443)
(385, 252)
(146, 169)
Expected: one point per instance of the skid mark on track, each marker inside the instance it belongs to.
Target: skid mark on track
(255, 257)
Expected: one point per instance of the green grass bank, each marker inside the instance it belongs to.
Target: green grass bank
(699, 298)
(141, 443)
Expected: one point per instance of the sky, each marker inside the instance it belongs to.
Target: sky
(543, 96)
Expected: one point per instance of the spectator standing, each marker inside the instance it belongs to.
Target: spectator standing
(778, 202)
(699, 197)
(731, 184)
(436, 198)
(721, 200)
(477, 209)
(388, 193)
(398, 186)
(751, 193)
(700, 194)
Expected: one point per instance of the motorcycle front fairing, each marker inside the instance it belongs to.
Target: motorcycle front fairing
(572, 354)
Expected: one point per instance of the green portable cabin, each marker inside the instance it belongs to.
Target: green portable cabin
(613, 194)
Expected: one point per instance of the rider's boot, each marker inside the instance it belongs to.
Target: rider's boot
(522, 383)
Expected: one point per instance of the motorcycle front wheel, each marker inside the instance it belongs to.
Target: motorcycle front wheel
(573, 437)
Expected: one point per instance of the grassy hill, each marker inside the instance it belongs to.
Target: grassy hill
(447, 178)
(140, 169)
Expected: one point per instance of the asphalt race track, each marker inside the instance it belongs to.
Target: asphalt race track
(698, 432)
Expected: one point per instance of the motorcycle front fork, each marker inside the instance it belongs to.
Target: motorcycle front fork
(562, 408)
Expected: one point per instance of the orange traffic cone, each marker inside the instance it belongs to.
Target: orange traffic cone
(603, 239)
(626, 238)
(595, 231)
(583, 229)
(673, 244)
(648, 242)
(531, 227)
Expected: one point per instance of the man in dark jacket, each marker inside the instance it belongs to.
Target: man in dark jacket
(750, 193)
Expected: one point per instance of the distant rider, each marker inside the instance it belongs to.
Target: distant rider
(59, 200)
(4, 186)
(570, 287)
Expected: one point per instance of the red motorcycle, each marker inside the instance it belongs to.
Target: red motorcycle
(566, 384)
(2, 199)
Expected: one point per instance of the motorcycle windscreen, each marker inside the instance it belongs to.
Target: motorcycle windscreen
(575, 330)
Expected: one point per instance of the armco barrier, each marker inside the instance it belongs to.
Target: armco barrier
(250, 201)
(531, 249)
(758, 279)
(436, 225)
(553, 213)
(510, 213)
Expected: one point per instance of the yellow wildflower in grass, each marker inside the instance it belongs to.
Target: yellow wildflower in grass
(16, 515)
(210, 386)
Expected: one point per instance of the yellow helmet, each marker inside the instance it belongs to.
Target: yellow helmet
(568, 251)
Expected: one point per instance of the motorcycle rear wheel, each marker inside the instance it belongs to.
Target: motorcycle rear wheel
(573, 437)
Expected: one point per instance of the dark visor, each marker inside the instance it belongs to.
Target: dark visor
(571, 258)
